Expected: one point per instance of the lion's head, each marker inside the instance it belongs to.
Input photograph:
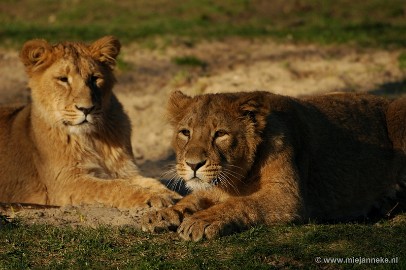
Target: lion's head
(215, 137)
(71, 82)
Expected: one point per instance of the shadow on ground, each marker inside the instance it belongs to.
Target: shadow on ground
(390, 89)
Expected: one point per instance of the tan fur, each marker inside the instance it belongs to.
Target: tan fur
(72, 145)
(260, 158)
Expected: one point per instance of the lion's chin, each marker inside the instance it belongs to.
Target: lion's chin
(83, 128)
(82, 125)
(198, 184)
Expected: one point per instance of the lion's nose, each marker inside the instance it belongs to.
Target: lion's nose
(196, 166)
(85, 110)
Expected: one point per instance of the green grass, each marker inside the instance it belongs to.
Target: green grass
(290, 246)
(366, 23)
(402, 61)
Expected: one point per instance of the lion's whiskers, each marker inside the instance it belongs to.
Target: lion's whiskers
(175, 180)
(227, 181)
(233, 173)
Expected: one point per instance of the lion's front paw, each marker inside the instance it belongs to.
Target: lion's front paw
(195, 228)
(161, 220)
(163, 199)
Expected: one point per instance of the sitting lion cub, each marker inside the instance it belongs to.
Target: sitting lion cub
(71, 145)
(261, 158)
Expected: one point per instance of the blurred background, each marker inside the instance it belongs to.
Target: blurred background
(367, 23)
(290, 47)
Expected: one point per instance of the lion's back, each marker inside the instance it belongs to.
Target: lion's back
(361, 116)
(350, 152)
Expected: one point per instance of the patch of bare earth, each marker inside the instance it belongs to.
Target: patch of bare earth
(149, 76)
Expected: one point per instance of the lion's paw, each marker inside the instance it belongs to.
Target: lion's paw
(163, 199)
(161, 220)
(195, 229)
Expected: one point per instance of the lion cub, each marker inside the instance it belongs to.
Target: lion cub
(71, 145)
(260, 158)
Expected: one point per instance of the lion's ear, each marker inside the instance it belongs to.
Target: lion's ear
(35, 55)
(106, 50)
(177, 104)
(252, 106)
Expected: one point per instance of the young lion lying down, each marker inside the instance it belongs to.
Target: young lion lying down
(261, 158)
(72, 145)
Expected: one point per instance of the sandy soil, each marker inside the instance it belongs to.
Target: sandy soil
(150, 75)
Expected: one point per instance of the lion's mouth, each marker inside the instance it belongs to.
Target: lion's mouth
(83, 122)
(212, 182)
(68, 123)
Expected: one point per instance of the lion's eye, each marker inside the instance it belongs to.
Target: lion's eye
(63, 79)
(185, 132)
(94, 80)
(220, 133)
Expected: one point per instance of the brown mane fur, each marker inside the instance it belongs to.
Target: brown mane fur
(260, 158)
(72, 145)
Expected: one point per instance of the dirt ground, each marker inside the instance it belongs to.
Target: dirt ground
(147, 76)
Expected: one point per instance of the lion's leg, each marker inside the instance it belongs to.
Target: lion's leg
(148, 183)
(120, 193)
(221, 219)
(236, 214)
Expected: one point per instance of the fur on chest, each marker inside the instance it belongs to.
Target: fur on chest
(95, 158)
